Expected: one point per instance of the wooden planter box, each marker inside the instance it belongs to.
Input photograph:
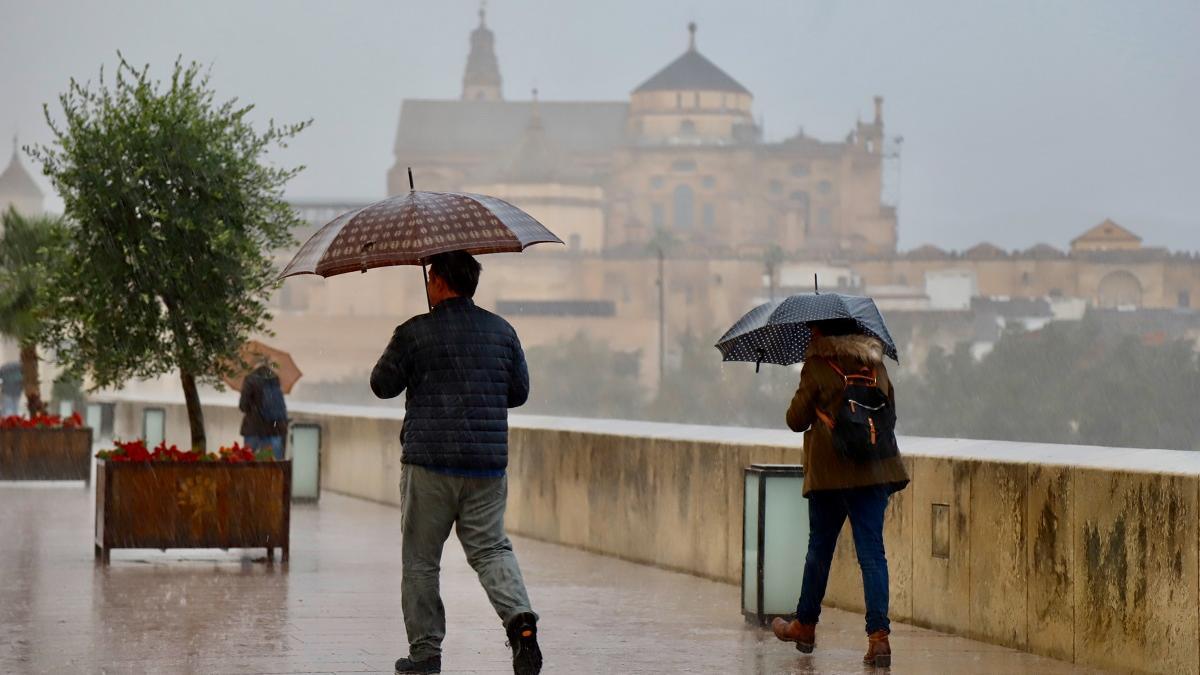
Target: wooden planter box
(45, 454)
(193, 505)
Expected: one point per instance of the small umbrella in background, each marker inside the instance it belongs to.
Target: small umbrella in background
(409, 229)
(255, 353)
(777, 332)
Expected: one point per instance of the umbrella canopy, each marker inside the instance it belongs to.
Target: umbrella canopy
(408, 229)
(777, 332)
(254, 353)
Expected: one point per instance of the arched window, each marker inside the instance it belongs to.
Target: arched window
(684, 207)
(1119, 290)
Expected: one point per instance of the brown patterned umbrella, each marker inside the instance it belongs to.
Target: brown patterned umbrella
(253, 353)
(408, 229)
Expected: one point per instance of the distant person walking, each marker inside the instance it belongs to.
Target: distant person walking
(264, 419)
(12, 385)
(463, 368)
(851, 468)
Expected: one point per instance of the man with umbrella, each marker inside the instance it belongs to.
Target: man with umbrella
(845, 405)
(463, 368)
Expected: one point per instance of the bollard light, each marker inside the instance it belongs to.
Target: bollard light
(774, 540)
(305, 451)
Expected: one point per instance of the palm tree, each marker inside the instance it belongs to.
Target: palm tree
(25, 248)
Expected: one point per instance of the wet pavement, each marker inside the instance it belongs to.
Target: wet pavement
(335, 607)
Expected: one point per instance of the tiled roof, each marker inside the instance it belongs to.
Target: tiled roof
(692, 72)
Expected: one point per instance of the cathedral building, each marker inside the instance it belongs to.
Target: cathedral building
(682, 167)
(682, 156)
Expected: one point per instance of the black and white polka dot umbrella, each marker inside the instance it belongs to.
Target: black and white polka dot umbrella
(777, 332)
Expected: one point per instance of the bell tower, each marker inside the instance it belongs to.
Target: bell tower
(481, 81)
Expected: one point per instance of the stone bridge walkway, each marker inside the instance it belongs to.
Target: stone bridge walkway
(335, 608)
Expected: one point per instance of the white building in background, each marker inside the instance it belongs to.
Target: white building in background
(951, 290)
(18, 189)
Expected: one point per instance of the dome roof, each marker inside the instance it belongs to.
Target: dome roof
(16, 181)
(692, 72)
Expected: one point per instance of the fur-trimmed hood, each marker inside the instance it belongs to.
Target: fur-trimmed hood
(863, 348)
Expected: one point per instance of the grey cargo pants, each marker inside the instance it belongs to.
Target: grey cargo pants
(431, 503)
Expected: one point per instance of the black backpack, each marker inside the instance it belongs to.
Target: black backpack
(864, 426)
(273, 407)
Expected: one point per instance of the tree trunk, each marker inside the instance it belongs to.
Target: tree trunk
(31, 379)
(195, 414)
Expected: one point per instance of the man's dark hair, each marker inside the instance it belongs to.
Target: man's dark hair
(459, 269)
(835, 327)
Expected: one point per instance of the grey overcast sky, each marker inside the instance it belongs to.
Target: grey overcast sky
(1023, 120)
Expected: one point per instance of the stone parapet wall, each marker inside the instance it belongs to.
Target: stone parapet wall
(1083, 554)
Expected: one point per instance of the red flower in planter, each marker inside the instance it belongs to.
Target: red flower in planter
(41, 421)
(136, 451)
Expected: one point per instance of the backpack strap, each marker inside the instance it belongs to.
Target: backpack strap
(865, 376)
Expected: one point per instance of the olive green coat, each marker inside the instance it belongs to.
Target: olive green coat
(822, 388)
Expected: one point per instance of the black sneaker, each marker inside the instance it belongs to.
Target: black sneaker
(406, 665)
(522, 637)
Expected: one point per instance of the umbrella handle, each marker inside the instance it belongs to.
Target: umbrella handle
(425, 276)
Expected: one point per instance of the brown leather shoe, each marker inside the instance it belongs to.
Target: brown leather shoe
(879, 652)
(803, 634)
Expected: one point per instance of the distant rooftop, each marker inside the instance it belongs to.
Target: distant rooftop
(692, 72)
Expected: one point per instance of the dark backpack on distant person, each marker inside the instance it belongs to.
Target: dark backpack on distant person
(273, 407)
(864, 426)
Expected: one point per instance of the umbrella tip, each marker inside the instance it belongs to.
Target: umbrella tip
(816, 288)
(410, 180)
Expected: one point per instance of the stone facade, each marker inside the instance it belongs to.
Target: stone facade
(683, 155)
(682, 165)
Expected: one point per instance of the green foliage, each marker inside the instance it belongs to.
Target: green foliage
(704, 390)
(176, 213)
(1067, 383)
(26, 247)
(583, 377)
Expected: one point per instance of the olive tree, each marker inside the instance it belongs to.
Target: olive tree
(175, 214)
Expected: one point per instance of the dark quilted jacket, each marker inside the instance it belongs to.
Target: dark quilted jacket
(463, 368)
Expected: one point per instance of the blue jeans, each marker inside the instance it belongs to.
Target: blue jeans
(827, 511)
(273, 442)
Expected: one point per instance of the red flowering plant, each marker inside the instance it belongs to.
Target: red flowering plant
(41, 421)
(136, 451)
